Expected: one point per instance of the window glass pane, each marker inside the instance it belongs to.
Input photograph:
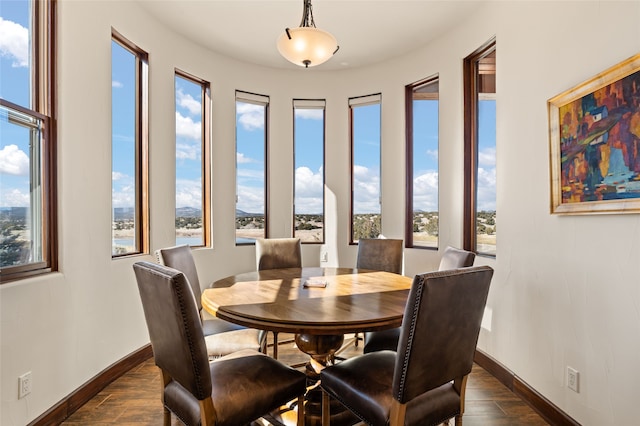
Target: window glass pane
(21, 189)
(123, 145)
(250, 171)
(425, 165)
(27, 184)
(366, 210)
(189, 165)
(486, 178)
(309, 174)
(15, 52)
(480, 150)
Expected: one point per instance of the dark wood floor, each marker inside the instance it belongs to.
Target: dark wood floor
(134, 399)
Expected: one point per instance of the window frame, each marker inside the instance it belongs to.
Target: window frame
(265, 100)
(205, 152)
(324, 159)
(141, 236)
(409, 98)
(471, 90)
(44, 109)
(358, 101)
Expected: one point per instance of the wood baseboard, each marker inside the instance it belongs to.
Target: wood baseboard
(544, 407)
(68, 405)
(72, 402)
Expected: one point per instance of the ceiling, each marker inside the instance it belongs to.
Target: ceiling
(368, 31)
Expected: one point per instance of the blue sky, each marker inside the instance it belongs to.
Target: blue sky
(123, 100)
(14, 151)
(309, 158)
(14, 68)
(366, 159)
(425, 155)
(250, 157)
(188, 143)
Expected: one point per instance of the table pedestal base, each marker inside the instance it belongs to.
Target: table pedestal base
(321, 349)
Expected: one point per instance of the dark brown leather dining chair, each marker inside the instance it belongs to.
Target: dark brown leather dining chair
(278, 253)
(232, 390)
(222, 337)
(379, 254)
(452, 258)
(424, 382)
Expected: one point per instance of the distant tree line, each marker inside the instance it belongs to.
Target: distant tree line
(12, 247)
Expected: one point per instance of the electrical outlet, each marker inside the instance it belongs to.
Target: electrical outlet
(324, 257)
(572, 379)
(24, 385)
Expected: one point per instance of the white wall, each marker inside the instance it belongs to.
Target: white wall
(566, 289)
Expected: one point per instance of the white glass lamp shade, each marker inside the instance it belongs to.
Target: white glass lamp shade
(307, 47)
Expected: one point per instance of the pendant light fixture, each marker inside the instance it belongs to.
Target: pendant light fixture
(307, 46)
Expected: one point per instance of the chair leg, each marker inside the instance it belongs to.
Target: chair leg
(356, 339)
(326, 412)
(166, 417)
(459, 420)
(166, 379)
(301, 410)
(275, 345)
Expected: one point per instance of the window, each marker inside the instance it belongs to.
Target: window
(251, 167)
(480, 150)
(192, 160)
(366, 214)
(129, 162)
(422, 102)
(27, 139)
(308, 183)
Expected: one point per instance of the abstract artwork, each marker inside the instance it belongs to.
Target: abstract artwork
(595, 143)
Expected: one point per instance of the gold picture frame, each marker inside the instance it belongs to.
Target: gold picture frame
(594, 136)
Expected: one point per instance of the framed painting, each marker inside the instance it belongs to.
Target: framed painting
(594, 133)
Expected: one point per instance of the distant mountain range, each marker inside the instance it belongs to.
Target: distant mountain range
(194, 212)
(126, 213)
(13, 213)
(188, 212)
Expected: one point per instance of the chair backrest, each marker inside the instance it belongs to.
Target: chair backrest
(175, 331)
(380, 254)
(180, 258)
(454, 258)
(440, 329)
(276, 253)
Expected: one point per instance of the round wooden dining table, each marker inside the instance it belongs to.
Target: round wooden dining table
(318, 305)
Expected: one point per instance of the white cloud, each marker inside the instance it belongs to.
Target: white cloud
(366, 190)
(309, 113)
(187, 151)
(14, 43)
(309, 194)
(249, 174)
(425, 192)
(185, 127)
(14, 161)
(116, 176)
(241, 159)
(487, 157)
(251, 116)
(187, 101)
(189, 193)
(486, 189)
(432, 153)
(14, 198)
(117, 84)
(250, 199)
(125, 197)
